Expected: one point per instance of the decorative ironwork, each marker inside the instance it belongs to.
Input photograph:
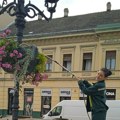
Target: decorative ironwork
(20, 10)
(25, 9)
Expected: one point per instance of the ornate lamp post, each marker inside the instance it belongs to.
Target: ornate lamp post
(20, 10)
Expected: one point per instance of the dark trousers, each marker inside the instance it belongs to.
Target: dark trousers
(100, 115)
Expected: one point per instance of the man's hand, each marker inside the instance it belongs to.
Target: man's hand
(85, 82)
(80, 81)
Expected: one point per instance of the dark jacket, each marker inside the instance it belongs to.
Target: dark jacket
(96, 93)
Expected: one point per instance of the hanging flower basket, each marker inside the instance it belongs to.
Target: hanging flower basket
(10, 58)
(22, 60)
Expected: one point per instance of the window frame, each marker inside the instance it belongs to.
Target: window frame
(110, 58)
(70, 62)
(50, 64)
(88, 60)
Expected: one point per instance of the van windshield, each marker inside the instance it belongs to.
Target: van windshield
(56, 111)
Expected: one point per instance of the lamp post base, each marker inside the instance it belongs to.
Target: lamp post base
(15, 105)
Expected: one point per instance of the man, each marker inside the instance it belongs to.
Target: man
(96, 94)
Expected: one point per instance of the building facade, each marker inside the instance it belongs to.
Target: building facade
(82, 44)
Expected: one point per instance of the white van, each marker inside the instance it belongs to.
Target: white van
(75, 110)
(114, 110)
(69, 109)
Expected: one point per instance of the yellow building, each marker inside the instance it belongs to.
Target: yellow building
(83, 44)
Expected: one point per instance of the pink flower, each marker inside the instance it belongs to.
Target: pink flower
(15, 51)
(2, 48)
(7, 65)
(12, 55)
(19, 55)
(3, 35)
(4, 55)
(2, 52)
(45, 76)
(0, 58)
(8, 31)
(38, 77)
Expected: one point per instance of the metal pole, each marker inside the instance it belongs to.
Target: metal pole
(20, 20)
(20, 25)
(15, 105)
(21, 11)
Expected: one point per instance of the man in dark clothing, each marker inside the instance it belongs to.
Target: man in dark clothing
(96, 94)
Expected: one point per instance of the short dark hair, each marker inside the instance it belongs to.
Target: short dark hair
(106, 71)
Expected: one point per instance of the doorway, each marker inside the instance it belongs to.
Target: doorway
(28, 101)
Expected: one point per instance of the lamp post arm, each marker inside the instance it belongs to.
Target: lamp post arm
(32, 7)
(8, 7)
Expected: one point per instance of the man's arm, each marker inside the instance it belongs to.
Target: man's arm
(87, 84)
(91, 90)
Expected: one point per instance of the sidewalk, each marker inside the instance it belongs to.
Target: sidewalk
(10, 118)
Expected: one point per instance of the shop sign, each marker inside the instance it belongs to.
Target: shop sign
(111, 93)
(65, 92)
(46, 106)
(46, 92)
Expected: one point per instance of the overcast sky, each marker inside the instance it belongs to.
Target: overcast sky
(76, 7)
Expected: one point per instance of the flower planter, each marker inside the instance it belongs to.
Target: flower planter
(24, 61)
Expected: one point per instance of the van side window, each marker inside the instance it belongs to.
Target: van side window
(56, 111)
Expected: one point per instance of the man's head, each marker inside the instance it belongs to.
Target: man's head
(102, 74)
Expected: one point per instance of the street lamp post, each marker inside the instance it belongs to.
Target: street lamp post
(20, 10)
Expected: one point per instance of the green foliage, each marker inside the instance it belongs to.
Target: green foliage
(41, 65)
(9, 44)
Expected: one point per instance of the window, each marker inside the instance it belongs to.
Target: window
(87, 61)
(110, 60)
(45, 104)
(56, 111)
(49, 63)
(67, 61)
(28, 101)
(65, 98)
